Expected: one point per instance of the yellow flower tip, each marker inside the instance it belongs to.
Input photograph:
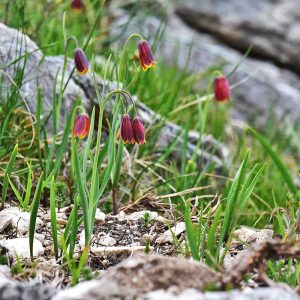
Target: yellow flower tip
(146, 67)
(83, 72)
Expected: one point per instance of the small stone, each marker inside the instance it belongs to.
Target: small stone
(40, 237)
(20, 247)
(4, 272)
(117, 251)
(251, 236)
(18, 219)
(106, 240)
(167, 237)
(99, 217)
(121, 216)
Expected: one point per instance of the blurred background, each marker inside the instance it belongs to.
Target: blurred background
(194, 36)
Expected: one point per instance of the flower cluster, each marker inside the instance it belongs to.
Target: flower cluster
(132, 131)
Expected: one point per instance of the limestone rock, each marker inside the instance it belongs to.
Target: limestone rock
(141, 274)
(167, 237)
(20, 247)
(18, 219)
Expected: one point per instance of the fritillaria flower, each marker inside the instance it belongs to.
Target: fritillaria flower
(81, 62)
(127, 130)
(77, 5)
(81, 127)
(145, 55)
(138, 131)
(221, 89)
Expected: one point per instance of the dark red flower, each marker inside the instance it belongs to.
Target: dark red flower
(127, 130)
(82, 125)
(77, 5)
(221, 89)
(81, 62)
(138, 130)
(145, 55)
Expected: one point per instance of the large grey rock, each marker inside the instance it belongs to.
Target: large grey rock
(141, 274)
(11, 290)
(42, 71)
(271, 26)
(257, 294)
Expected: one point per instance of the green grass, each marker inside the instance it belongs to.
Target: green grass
(257, 187)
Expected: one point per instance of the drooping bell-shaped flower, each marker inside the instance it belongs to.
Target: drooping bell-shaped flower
(126, 130)
(77, 5)
(222, 89)
(81, 62)
(82, 125)
(145, 55)
(138, 130)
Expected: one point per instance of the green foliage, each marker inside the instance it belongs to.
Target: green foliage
(255, 189)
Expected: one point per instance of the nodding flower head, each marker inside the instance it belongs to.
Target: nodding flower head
(221, 89)
(82, 125)
(145, 55)
(127, 130)
(138, 131)
(81, 62)
(77, 5)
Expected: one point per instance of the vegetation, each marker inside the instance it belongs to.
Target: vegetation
(256, 186)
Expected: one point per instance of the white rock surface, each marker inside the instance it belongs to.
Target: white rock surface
(251, 236)
(153, 215)
(100, 217)
(166, 237)
(119, 250)
(20, 247)
(16, 218)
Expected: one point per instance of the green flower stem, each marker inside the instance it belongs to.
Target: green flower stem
(134, 35)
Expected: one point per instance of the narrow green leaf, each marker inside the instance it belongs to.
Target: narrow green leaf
(191, 233)
(53, 217)
(34, 211)
(277, 160)
(8, 171)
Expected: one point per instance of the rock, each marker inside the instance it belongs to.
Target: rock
(99, 217)
(105, 240)
(251, 236)
(20, 247)
(272, 27)
(167, 237)
(141, 274)
(145, 214)
(273, 293)
(19, 220)
(4, 272)
(25, 291)
(46, 69)
(120, 251)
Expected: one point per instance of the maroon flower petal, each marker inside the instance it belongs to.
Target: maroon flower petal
(81, 62)
(145, 55)
(82, 125)
(138, 130)
(221, 89)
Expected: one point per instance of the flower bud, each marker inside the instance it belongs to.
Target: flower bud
(82, 125)
(138, 130)
(145, 55)
(126, 130)
(221, 89)
(81, 62)
(77, 5)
